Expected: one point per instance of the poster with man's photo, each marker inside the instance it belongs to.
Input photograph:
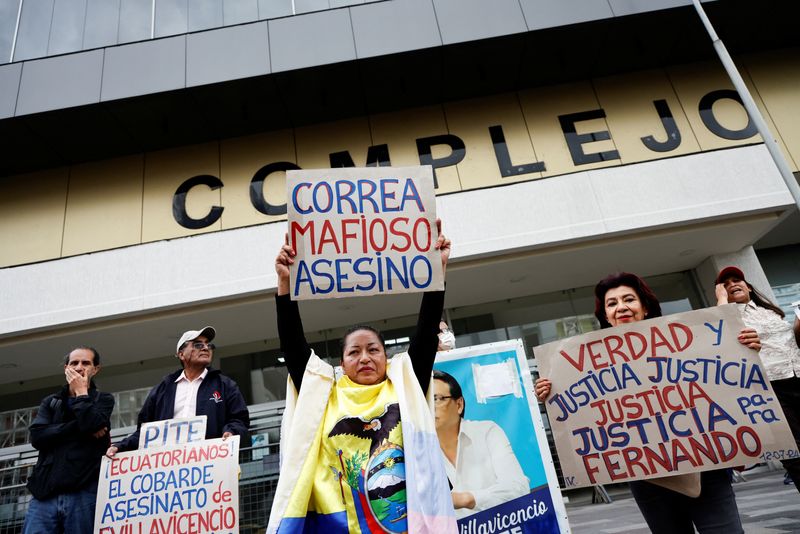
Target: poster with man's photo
(493, 441)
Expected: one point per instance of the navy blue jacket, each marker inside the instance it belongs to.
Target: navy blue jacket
(218, 398)
(62, 431)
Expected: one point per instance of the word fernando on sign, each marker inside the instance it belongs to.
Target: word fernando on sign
(666, 396)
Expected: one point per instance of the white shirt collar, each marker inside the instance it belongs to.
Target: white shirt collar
(183, 376)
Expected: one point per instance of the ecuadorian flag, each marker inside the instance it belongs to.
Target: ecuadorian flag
(360, 458)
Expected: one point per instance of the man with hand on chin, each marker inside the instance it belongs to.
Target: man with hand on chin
(70, 432)
(196, 389)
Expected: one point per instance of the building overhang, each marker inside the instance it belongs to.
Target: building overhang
(557, 233)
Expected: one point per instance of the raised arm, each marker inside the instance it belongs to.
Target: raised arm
(290, 327)
(425, 341)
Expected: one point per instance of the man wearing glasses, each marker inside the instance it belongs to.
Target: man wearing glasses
(196, 389)
(479, 460)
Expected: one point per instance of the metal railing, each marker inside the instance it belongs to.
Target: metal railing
(259, 465)
(14, 424)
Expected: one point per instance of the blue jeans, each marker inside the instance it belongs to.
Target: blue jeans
(68, 513)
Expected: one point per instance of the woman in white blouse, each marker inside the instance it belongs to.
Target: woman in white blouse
(779, 352)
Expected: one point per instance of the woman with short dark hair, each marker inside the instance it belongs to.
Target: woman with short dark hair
(625, 298)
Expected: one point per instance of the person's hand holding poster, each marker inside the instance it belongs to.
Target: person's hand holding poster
(671, 395)
(362, 231)
(182, 485)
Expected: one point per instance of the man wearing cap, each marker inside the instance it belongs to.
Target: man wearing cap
(197, 389)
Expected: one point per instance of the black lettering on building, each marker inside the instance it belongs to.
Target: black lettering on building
(457, 152)
(673, 140)
(179, 202)
(257, 187)
(507, 168)
(706, 109)
(575, 141)
(377, 156)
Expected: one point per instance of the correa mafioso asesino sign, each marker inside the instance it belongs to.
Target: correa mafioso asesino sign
(661, 397)
(362, 231)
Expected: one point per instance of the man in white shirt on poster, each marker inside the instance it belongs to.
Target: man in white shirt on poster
(480, 462)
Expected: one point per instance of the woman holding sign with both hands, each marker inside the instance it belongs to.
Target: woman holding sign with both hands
(780, 353)
(625, 298)
(357, 451)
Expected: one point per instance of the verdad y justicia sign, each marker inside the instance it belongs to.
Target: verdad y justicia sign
(661, 397)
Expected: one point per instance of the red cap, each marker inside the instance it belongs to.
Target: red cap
(727, 272)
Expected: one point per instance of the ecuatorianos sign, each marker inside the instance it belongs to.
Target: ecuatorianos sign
(362, 231)
(661, 397)
(447, 149)
(176, 482)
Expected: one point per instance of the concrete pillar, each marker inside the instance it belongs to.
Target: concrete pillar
(744, 259)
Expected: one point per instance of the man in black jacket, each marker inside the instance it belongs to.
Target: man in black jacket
(197, 389)
(71, 432)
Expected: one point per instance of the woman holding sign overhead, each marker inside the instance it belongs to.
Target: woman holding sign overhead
(780, 352)
(625, 298)
(357, 452)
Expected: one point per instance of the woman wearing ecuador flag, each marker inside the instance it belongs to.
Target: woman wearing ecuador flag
(360, 454)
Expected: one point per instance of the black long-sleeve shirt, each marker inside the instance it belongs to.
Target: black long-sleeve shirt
(422, 349)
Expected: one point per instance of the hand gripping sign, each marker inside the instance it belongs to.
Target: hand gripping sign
(661, 397)
(174, 483)
(362, 231)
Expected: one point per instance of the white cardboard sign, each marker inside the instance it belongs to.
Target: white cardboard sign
(362, 231)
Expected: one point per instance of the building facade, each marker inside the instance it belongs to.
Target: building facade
(145, 144)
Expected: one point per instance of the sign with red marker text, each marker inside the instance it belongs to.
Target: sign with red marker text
(661, 397)
(362, 231)
(191, 487)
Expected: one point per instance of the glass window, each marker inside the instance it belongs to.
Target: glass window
(270, 9)
(102, 23)
(547, 317)
(34, 29)
(135, 18)
(238, 11)
(171, 17)
(66, 33)
(204, 14)
(8, 23)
